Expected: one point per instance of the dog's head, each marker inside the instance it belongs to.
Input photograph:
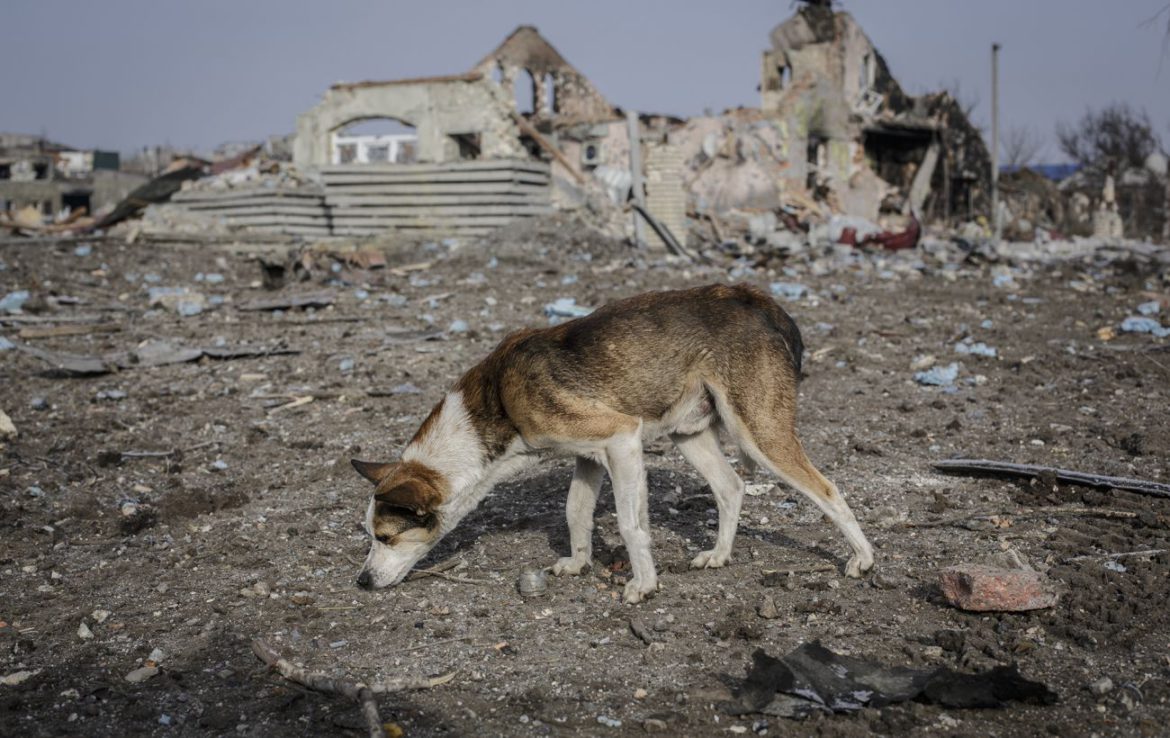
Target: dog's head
(402, 519)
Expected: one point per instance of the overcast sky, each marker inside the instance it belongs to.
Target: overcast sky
(120, 74)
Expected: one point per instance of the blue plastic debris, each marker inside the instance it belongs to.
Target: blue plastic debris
(345, 366)
(565, 307)
(6, 345)
(14, 301)
(458, 326)
(939, 376)
(966, 347)
(1003, 280)
(84, 249)
(1144, 325)
(361, 294)
(788, 290)
(1153, 307)
(986, 325)
(405, 389)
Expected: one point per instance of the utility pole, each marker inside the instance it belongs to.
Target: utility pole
(995, 219)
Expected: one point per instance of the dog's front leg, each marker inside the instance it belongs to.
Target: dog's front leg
(579, 511)
(624, 457)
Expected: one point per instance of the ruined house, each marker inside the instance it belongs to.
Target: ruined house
(54, 179)
(524, 131)
(853, 135)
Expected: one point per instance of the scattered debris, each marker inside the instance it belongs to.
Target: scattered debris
(813, 679)
(565, 307)
(992, 589)
(141, 674)
(939, 376)
(150, 354)
(18, 677)
(788, 290)
(1003, 468)
(969, 348)
(640, 631)
(1144, 325)
(532, 582)
(317, 300)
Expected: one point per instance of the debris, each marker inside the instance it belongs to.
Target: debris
(357, 691)
(71, 364)
(532, 582)
(141, 674)
(149, 354)
(1153, 307)
(939, 376)
(83, 632)
(7, 427)
(992, 589)
(609, 722)
(639, 629)
(788, 290)
(17, 677)
(6, 345)
(458, 326)
(757, 490)
(813, 679)
(767, 609)
(316, 300)
(1144, 325)
(181, 300)
(55, 331)
(1101, 687)
(14, 301)
(565, 307)
(968, 348)
(984, 466)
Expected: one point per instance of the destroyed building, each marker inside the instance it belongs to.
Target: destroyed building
(52, 180)
(524, 131)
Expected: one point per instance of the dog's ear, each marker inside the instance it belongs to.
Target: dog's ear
(416, 495)
(372, 471)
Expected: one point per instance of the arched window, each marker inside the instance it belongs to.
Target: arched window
(524, 90)
(375, 141)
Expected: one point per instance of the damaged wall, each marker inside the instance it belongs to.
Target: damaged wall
(441, 109)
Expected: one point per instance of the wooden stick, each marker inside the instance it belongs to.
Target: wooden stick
(529, 130)
(443, 566)
(985, 466)
(68, 329)
(800, 569)
(356, 691)
(359, 692)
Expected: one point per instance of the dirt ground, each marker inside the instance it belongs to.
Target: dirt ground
(250, 527)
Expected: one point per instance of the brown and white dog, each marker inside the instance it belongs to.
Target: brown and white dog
(684, 363)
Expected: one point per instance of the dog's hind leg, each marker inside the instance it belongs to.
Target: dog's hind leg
(623, 456)
(579, 511)
(702, 451)
(764, 427)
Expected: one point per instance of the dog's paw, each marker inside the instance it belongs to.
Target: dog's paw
(857, 566)
(570, 566)
(709, 560)
(637, 590)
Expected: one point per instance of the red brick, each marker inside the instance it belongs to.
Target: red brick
(987, 588)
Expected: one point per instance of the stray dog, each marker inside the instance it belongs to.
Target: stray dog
(684, 363)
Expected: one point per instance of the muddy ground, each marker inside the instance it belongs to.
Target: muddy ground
(251, 528)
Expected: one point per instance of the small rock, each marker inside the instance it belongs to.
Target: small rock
(939, 376)
(458, 326)
(653, 725)
(990, 589)
(17, 677)
(156, 655)
(609, 722)
(7, 429)
(99, 616)
(767, 609)
(640, 694)
(345, 366)
(218, 465)
(83, 632)
(1101, 687)
(141, 674)
(38, 403)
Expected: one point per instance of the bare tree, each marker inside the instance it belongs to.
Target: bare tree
(1115, 137)
(1022, 146)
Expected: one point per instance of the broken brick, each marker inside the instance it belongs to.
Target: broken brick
(987, 588)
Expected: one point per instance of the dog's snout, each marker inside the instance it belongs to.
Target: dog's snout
(364, 580)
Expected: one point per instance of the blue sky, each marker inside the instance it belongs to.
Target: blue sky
(120, 74)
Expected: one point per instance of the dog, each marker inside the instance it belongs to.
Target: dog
(685, 363)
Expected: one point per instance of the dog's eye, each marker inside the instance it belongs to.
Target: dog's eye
(383, 539)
